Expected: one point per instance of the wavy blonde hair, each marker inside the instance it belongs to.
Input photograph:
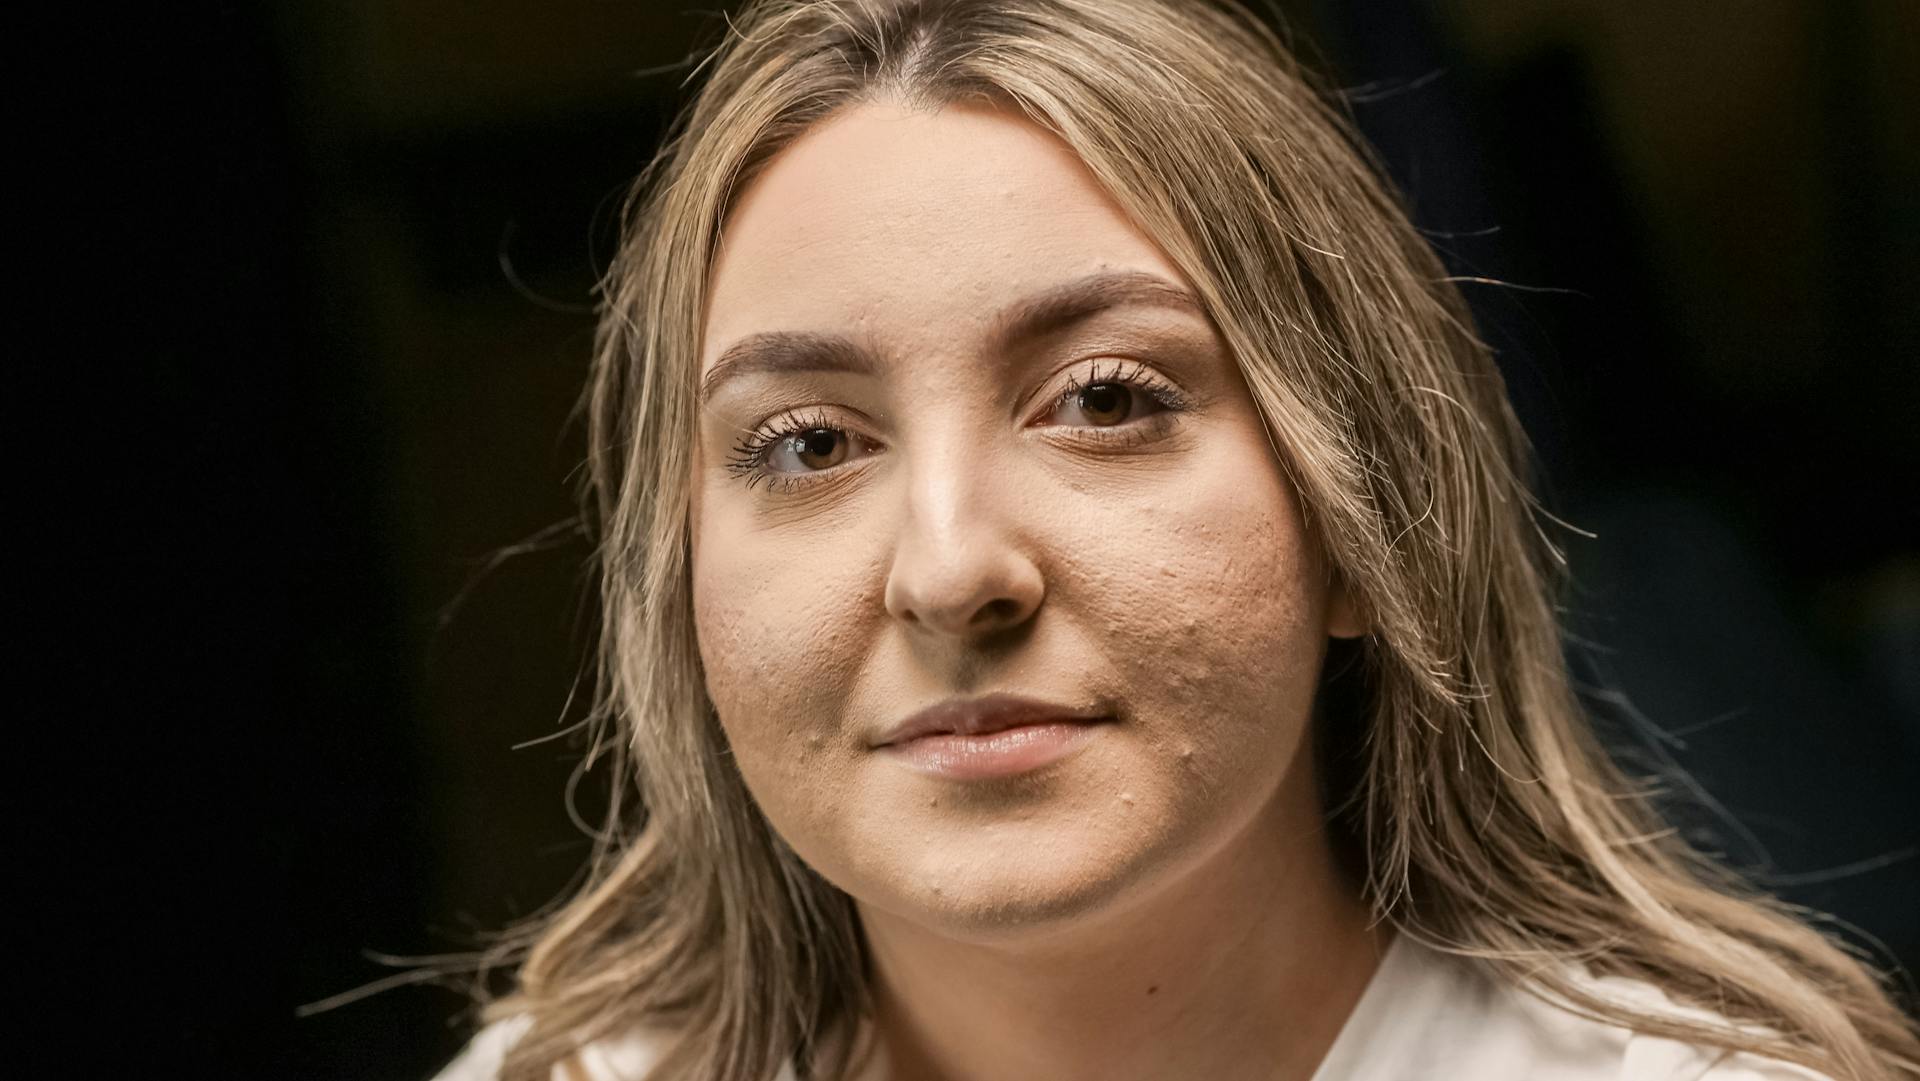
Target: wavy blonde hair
(1478, 810)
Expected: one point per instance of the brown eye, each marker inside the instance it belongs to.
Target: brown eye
(1105, 403)
(1099, 405)
(814, 449)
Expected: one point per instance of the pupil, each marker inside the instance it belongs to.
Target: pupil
(1105, 398)
(818, 443)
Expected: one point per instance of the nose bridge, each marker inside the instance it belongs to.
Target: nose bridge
(948, 464)
(960, 565)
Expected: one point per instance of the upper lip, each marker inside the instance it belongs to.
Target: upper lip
(988, 713)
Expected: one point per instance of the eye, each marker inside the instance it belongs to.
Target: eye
(792, 450)
(1115, 396)
(1103, 404)
(810, 450)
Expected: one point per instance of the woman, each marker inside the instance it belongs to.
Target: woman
(1073, 609)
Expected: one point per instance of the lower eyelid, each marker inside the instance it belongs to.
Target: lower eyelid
(1122, 435)
(822, 478)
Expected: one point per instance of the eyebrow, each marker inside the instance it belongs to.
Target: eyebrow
(1048, 311)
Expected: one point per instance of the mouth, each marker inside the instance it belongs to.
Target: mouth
(996, 736)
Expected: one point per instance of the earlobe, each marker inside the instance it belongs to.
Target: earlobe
(1344, 617)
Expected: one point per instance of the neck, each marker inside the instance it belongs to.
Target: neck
(1244, 966)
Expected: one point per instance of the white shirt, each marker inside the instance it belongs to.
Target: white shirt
(1425, 1016)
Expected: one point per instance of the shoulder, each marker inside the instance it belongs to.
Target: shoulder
(1647, 1055)
(1439, 1015)
(480, 1059)
(630, 1057)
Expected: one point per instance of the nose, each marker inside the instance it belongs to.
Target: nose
(959, 569)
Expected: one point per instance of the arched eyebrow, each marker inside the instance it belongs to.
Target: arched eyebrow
(1048, 311)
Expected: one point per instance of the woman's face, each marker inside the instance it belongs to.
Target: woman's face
(915, 485)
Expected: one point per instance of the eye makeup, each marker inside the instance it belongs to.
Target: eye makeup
(793, 431)
(799, 434)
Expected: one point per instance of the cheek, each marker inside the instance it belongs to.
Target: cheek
(778, 640)
(1214, 618)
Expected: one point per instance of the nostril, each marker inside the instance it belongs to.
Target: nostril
(998, 610)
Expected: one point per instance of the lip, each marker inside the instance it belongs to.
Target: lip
(997, 735)
(987, 714)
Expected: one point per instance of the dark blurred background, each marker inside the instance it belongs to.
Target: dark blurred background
(320, 318)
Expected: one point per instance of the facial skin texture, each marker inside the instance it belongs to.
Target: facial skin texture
(1162, 901)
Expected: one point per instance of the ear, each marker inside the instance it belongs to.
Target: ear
(1344, 617)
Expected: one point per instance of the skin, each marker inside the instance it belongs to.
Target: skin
(1163, 901)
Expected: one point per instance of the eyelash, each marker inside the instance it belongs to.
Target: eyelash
(748, 460)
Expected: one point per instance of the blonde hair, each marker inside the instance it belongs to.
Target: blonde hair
(1480, 812)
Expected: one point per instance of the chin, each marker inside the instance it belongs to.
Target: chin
(1014, 880)
(1021, 857)
(1008, 903)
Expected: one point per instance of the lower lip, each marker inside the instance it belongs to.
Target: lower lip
(1005, 753)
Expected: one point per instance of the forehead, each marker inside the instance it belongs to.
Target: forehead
(897, 222)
